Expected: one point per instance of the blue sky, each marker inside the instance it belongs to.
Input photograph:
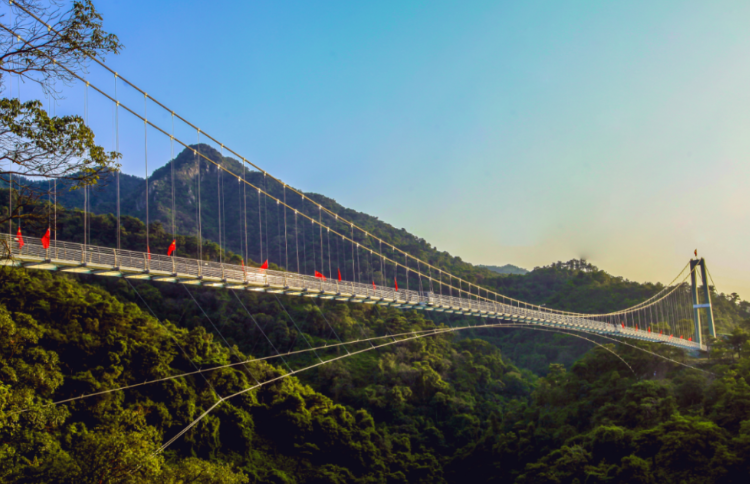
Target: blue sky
(503, 132)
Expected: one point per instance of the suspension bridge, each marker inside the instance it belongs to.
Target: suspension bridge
(656, 320)
(370, 273)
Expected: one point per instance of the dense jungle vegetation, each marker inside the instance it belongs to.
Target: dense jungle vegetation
(455, 407)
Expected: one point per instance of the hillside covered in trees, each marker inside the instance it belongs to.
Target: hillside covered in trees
(446, 408)
(506, 269)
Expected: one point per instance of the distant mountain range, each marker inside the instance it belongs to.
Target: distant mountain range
(506, 269)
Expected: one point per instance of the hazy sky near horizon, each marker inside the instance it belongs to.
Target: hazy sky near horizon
(502, 132)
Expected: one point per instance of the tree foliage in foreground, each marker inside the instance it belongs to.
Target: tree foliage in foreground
(46, 44)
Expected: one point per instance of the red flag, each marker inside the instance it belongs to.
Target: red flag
(649, 329)
(636, 327)
(696, 252)
(680, 336)
(45, 239)
(172, 247)
(373, 286)
(660, 331)
(265, 265)
(690, 338)
(396, 283)
(623, 325)
(20, 239)
(319, 275)
(148, 249)
(670, 336)
(339, 274)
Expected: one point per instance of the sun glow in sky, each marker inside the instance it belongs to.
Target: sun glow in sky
(502, 132)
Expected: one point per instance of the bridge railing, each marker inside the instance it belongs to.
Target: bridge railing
(184, 267)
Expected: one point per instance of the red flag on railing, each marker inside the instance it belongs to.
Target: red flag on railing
(690, 338)
(649, 329)
(172, 247)
(45, 239)
(660, 332)
(623, 325)
(148, 249)
(670, 336)
(396, 283)
(339, 274)
(680, 336)
(636, 327)
(20, 239)
(373, 286)
(265, 265)
(319, 275)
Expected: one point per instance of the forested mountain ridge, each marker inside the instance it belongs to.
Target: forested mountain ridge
(506, 269)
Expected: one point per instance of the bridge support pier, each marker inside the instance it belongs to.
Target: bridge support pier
(697, 306)
(707, 299)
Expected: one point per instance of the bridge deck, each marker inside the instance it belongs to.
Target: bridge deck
(104, 261)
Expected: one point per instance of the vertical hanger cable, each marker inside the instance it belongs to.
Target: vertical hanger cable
(200, 215)
(171, 149)
(286, 242)
(145, 157)
(244, 210)
(117, 149)
(296, 241)
(260, 229)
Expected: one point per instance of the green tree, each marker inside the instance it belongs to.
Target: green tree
(46, 46)
(736, 341)
(198, 471)
(120, 450)
(634, 470)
